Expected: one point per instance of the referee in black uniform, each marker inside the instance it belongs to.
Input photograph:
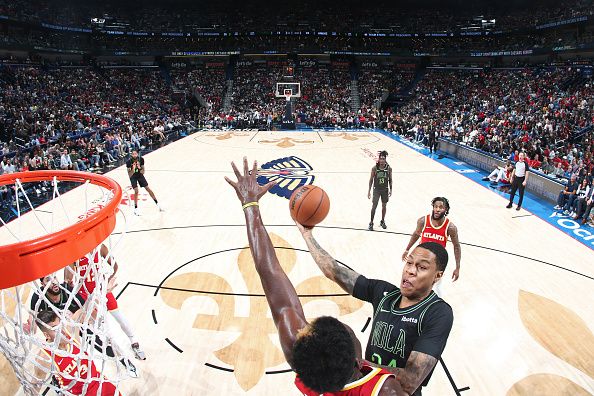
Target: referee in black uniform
(519, 178)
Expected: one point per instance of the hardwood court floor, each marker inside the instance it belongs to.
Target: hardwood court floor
(522, 306)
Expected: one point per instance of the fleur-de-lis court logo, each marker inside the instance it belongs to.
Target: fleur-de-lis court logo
(564, 334)
(347, 135)
(227, 135)
(253, 351)
(286, 142)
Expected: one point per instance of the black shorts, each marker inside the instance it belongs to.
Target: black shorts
(138, 179)
(380, 193)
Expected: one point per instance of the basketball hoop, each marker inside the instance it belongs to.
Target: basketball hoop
(74, 220)
(28, 260)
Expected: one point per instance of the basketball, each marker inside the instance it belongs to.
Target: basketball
(309, 205)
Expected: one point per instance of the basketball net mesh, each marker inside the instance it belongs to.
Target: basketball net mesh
(81, 355)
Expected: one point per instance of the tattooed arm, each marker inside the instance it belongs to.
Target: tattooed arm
(414, 237)
(418, 366)
(344, 277)
(453, 233)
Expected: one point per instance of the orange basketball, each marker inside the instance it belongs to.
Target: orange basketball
(309, 205)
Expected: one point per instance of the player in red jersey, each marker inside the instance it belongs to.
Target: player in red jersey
(436, 227)
(66, 362)
(370, 384)
(325, 353)
(85, 271)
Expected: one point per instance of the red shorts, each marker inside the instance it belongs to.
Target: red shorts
(112, 303)
(107, 389)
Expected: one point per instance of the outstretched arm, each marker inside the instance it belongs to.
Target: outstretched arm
(343, 276)
(453, 233)
(415, 235)
(282, 298)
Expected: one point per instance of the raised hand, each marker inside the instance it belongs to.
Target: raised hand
(246, 187)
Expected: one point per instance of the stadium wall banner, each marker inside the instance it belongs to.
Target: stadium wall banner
(276, 63)
(307, 63)
(538, 184)
(503, 53)
(340, 64)
(65, 28)
(242, 63)
(563, 22)
(59, 50)
(215, 65)
(194, 53)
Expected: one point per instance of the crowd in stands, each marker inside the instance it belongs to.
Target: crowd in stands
(377, 82)
(87, 118)
(357, 28)
(80, 118)
(208, 83)
(537, 111)
(318, 16)
(326, 95)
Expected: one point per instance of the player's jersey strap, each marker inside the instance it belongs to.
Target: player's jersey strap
(431, 233)
(369, 385)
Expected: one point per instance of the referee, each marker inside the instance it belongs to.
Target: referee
(519, 177)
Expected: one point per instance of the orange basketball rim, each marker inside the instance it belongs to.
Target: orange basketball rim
(28, 260)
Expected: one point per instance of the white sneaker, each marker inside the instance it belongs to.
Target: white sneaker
(557, 207)
(130, 368)
(138, 353)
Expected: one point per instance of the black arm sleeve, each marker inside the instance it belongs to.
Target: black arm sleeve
(436, 326)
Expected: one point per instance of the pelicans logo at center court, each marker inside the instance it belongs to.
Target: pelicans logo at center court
(289, 173)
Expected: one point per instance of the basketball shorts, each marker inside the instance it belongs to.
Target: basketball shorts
(107, 389)
(377, 194)
(136, 180)
(112, 303)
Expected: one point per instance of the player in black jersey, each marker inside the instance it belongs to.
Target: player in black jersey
(411, 323)
(381, 180)
(135, 167)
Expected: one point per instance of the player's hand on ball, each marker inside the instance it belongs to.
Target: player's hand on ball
(246, 187)
(304, 230)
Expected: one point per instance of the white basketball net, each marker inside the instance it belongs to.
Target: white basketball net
(82, 354)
